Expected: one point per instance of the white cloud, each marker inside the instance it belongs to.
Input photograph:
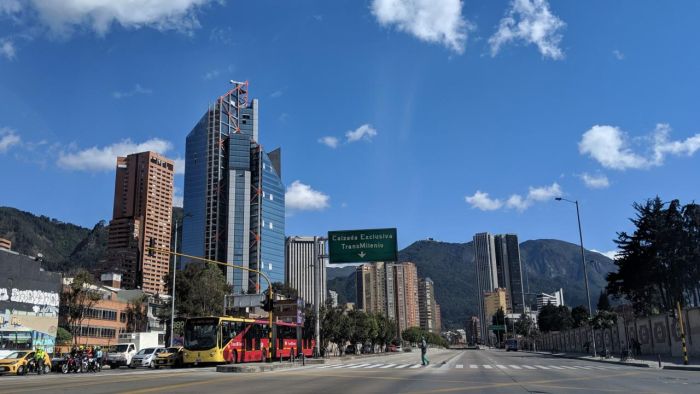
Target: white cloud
(481, 200)
(8, 138)
(595, 181)
(610, 147)
(437, 21)
(331, 142)
(179, 166)
(7, 49)
(211, 75)
(105, 158)
(618, 55)
(177, 201)
(10, 6)
(532, 22)
(365, 132)
(301, 197)
(138, 89)
(63, 17)
(276, 94)
(611, 254)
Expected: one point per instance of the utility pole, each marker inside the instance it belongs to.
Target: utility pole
(318, 288)
(172, 299)
(680, 323)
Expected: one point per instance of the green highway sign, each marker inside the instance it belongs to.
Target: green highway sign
(498, 327)
(360, 246)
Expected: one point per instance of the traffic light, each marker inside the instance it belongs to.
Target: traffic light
(268, 304)
(151, 246)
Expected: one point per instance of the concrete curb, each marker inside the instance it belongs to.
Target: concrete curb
(682, 367)
(640, 365)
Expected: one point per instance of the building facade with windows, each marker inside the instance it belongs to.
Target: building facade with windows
(426, 304)
(486, 273)
(234, 196)
(302, 264)
(143, 200)
(510, 275)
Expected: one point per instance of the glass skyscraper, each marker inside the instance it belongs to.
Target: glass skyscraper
(234, 196)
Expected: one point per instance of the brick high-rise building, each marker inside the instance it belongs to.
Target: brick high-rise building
(143, 200)
(426, 304)
(437, 319)
(411, 290)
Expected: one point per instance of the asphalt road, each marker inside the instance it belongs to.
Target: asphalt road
(450, 371)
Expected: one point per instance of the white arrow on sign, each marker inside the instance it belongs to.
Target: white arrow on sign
(362, 254)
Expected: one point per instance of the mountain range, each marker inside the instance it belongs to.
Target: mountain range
(547, 266)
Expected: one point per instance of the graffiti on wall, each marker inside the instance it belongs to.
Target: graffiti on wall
(34, 297)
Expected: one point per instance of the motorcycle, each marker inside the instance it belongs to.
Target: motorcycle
(70, 365)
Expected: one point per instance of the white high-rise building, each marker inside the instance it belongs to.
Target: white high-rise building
(556, 299)
(300, 267)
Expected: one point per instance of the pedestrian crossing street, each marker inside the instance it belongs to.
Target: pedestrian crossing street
(492, 367)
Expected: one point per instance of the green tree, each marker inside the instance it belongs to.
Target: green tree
(412, 335)
(524, 325)
(604, 320)
(76, 299)
(499, 319)
(554, 318)
(603, 302)
(63, 336)
(658, 262)
(579, 316)
(285, 290)
(137, 314)
(200, 290)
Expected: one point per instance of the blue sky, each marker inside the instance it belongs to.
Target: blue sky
(438, 117)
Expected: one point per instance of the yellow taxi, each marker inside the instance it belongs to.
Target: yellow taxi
(171, 357)
(18, 363)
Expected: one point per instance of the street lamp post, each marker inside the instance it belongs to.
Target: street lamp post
(172, 299)
(585, 268)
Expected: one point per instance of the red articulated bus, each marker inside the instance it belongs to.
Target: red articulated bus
(226, 339)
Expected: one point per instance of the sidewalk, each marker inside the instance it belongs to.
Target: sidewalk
(644, 361)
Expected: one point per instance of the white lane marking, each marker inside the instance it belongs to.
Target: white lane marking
(459, 366)
(359, 366)
(402, 366)
(389, 366)
(374, 365)
(567, 367)
(541, 367)
(343, 366)
(473, 366)
(555, 367)
(582, 367)
(501, 366)
(515, 367)
(488, 367)
(416, 366)
(528, 367)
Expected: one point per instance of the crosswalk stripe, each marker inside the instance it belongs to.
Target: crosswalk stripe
(374, 365)
(501, 366)
(459, 366)
(473, 366)
(402, 366)
(488, 367)
(555, 367)
(328, 366)
(342, 366)
(515, 367)
(415, 366)
(541, 367)
(529, 367)
(388, 366)
(359, 366)
(567, 367)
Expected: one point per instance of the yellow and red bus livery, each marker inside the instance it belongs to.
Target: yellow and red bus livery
(237, 340)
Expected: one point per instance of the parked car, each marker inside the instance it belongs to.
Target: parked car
(19, 363)
(146, 357)
(511, 344)
(395, 348)
(171, 357)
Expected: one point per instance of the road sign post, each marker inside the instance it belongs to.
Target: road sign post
(361, 246)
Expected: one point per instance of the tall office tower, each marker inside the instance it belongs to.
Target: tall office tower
(426, 304)
(234, 196)
(411, 291)
(143, 200)
(509, 269)
(377, 289)
(400, 291)
(486, 273)
(300, 268)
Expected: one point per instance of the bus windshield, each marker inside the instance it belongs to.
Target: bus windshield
(200, 334)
